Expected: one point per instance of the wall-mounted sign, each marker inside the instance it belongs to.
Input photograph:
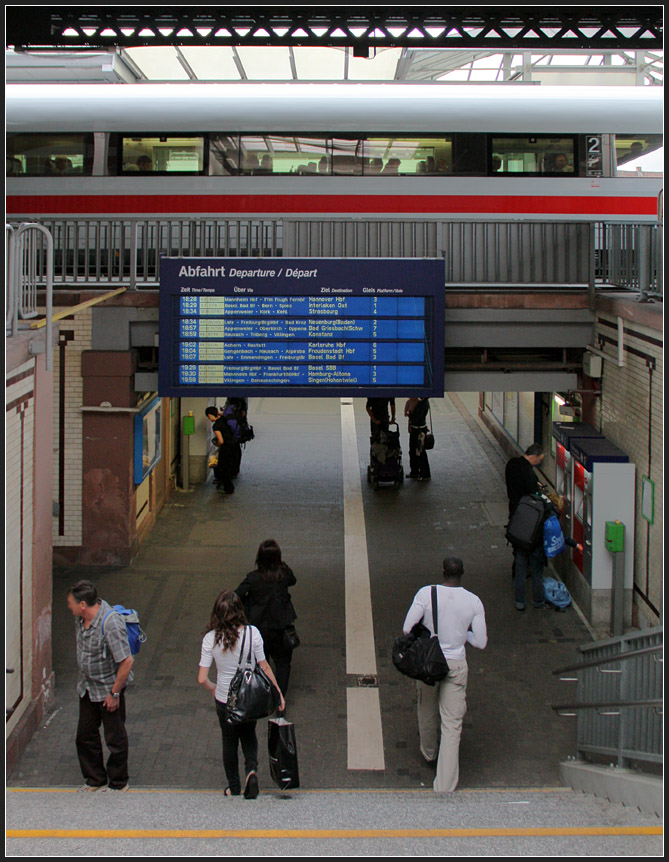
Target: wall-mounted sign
(648, 499)
(147, 440)
(301, 327)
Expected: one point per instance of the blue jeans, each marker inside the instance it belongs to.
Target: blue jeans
(232, 735)
(529, 563)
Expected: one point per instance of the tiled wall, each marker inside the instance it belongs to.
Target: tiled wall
(630, 415)
(79, 330)
(19, 459)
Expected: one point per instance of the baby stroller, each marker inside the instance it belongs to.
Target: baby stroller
(385, 455)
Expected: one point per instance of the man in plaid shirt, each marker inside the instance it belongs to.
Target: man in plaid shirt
(105, 663)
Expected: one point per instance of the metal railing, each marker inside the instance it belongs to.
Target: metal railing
(29, 267)
(618, 701)
(104, 252)
(630, 257)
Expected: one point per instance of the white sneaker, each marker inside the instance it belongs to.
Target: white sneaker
(116, 789)
(91, 788)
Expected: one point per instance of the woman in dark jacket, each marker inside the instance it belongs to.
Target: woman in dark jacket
(267, 603)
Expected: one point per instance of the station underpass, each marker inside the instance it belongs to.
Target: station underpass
(290, 489)
(509, 800)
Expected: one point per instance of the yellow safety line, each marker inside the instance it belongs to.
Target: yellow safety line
(374, 791)
(73, 309)
(493, 832)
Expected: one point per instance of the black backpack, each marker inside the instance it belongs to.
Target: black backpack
(525, 528)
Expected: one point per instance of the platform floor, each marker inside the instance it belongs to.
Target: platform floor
(291, 488)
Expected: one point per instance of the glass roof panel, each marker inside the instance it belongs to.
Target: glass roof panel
(212, 64)
(382, 67)
(159, 64)
(319, 64)
(266, 63)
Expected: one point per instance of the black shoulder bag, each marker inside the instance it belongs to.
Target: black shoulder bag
(418, 654)
(252, 694)
(428, 443)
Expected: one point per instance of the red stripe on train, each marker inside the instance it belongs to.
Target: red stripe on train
(302, 204)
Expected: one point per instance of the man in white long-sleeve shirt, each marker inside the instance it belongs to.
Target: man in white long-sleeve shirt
(461, 620)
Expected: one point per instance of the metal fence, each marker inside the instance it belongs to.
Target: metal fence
(618, 701)
(631, 257)
(503, 254)
(28, 268)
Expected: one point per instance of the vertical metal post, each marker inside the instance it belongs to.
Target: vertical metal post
(185, 461)
(618, 593)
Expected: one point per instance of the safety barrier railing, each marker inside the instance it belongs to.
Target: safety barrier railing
(618, 701)
(104, 252)
(630, 257)
(11, 299)
(29, 268)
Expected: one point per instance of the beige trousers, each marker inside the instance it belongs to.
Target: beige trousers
(444, 705)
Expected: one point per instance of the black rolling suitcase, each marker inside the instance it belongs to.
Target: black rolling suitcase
(525, 528)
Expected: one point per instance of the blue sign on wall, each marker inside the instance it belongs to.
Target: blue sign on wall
(301, 327)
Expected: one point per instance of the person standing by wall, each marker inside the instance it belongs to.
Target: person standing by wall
(461, 620)
(225, 440)
(105, 667)
(521, 480)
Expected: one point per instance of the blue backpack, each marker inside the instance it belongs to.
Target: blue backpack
(554, 543)
(136, 636)
(556, 593)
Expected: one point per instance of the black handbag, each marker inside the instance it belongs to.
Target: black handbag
(252, 694)
(428, 442)
(291, 639)
(418, 654)
(282, 750)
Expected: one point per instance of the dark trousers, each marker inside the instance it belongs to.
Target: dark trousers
(89, 744)
(236, 459)
(225, 468)
(232, 736)
(528, 563)
(418, 463)
(281, 655)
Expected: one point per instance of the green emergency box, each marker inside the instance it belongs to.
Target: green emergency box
(614, 536)
(189, 424)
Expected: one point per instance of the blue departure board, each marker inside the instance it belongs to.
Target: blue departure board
(301, 327)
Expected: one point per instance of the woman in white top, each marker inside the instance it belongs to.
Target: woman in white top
(222, 645)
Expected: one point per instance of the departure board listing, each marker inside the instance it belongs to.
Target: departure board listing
(301, 327)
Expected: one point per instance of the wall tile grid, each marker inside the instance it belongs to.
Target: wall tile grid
(630, 413)
(19, 456)
(81, 328)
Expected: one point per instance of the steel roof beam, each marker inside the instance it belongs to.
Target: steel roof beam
(489, 28)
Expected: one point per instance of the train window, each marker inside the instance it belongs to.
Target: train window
(284, 154)
(639, 155)
(223, 155)
(392, 156)
(346, 154)
(49, 154)
(535, 154)
(171, 154)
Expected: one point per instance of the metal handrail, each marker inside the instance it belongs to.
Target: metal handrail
(636, 704)
(12, 314)
(609, 659)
